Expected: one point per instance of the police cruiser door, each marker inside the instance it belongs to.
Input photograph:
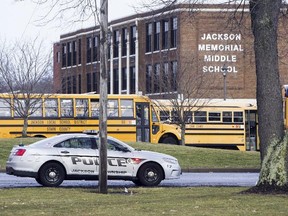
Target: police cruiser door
(79, 155)
(119, 159)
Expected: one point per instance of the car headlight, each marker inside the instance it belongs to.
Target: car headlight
(171, 160)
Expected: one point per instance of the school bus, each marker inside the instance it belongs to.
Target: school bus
(231, 123)
(130, 117)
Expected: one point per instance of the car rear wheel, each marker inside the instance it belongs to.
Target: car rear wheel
(51, 174)
(150, 174)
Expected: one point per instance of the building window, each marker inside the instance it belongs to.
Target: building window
(79, 51)
(149, 79)
(124, 79)
(174, 75)
(64, 54)
(156, 36)
(74, 52)
(174, 32)
(63, 85)
(116, 44)
(157, 78)
(95, 48)
(89, 50)
(166, 85)
(132, 40)
(115, 81)
(132, 80)
(165, 33)
(69, 54)
(95, 82)
(74, 85)
(79, 84)
(88, 81)
(69, 89)
(124, 41)
(148, 37)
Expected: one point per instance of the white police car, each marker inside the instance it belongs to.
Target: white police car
(76, 156)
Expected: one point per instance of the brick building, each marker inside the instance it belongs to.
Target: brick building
(167, 51)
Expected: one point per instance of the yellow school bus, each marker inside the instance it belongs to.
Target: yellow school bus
(230, 123)
(130, 117)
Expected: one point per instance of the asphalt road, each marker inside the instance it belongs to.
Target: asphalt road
(186, 180)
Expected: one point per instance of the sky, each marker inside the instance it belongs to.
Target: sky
(18, 20)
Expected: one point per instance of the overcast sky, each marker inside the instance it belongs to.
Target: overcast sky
(18, 20)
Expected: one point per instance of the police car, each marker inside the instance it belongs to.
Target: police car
(76, 157)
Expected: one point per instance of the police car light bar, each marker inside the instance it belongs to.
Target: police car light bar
(91, 132)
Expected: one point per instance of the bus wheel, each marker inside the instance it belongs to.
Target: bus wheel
(51, 174)
(169, 140)
(150, 174)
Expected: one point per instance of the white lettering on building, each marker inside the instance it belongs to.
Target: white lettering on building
(220, 48)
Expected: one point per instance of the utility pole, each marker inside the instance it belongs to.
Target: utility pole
(104, 37)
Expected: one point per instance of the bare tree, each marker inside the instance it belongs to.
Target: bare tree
(23, 68)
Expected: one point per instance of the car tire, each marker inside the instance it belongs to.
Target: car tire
(150, 174)
(38, 181)
(51, 174)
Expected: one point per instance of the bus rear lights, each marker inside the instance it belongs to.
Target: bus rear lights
(20, 152)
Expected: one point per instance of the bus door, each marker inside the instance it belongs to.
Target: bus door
(142, 122)
(251, 128)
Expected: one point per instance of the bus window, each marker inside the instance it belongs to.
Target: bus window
(126, 108)
(5, 110)
(174, 116)
(164, 115)
(200, 116)
(238, 117)
(95, 108)
(188, 116)
(66, 108)
(36, 108)
(19, 105)
(81, 108)
(154, 116)
(51, 108)
(214, 116)
(112, 108)
(227, 117)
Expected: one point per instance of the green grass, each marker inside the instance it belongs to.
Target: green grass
(143, 201)
(189, 157)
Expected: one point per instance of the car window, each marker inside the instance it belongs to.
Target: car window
(80, 142)
(114, 146)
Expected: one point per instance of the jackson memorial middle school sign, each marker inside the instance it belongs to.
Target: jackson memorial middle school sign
(218, 49)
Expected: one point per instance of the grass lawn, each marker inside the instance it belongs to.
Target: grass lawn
(143, 201)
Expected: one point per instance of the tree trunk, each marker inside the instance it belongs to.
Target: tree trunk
(25, 127)
(183, 128)
(264, 20)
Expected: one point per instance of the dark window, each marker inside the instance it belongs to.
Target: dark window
(95, 84)
(156, 36)
(89, 49)
(157, 78)
(74, 85)
(74, 52)
(88, 81)
(148, 37)
(116, 44)
(132, 80)
(238, 117)
(69, 90)
(227, 117)
(95, 48)
(124, 41)
(174, 32)
(215, 116)
(63, 85)
(115, 81)
(200, 116)
(81, 142)
(64, 54)
(174, 76)
(149, 79)
(79, 51)
(165, 33)
(124, 79)
(69, 45)
(132, 40)
(79, 83)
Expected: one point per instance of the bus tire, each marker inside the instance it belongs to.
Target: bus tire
(169, 140)
(150, 174)
(51, 174)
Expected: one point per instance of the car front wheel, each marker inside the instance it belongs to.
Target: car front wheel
(51, 174)
(150, 174)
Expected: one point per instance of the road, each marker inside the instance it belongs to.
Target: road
(186, 180)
